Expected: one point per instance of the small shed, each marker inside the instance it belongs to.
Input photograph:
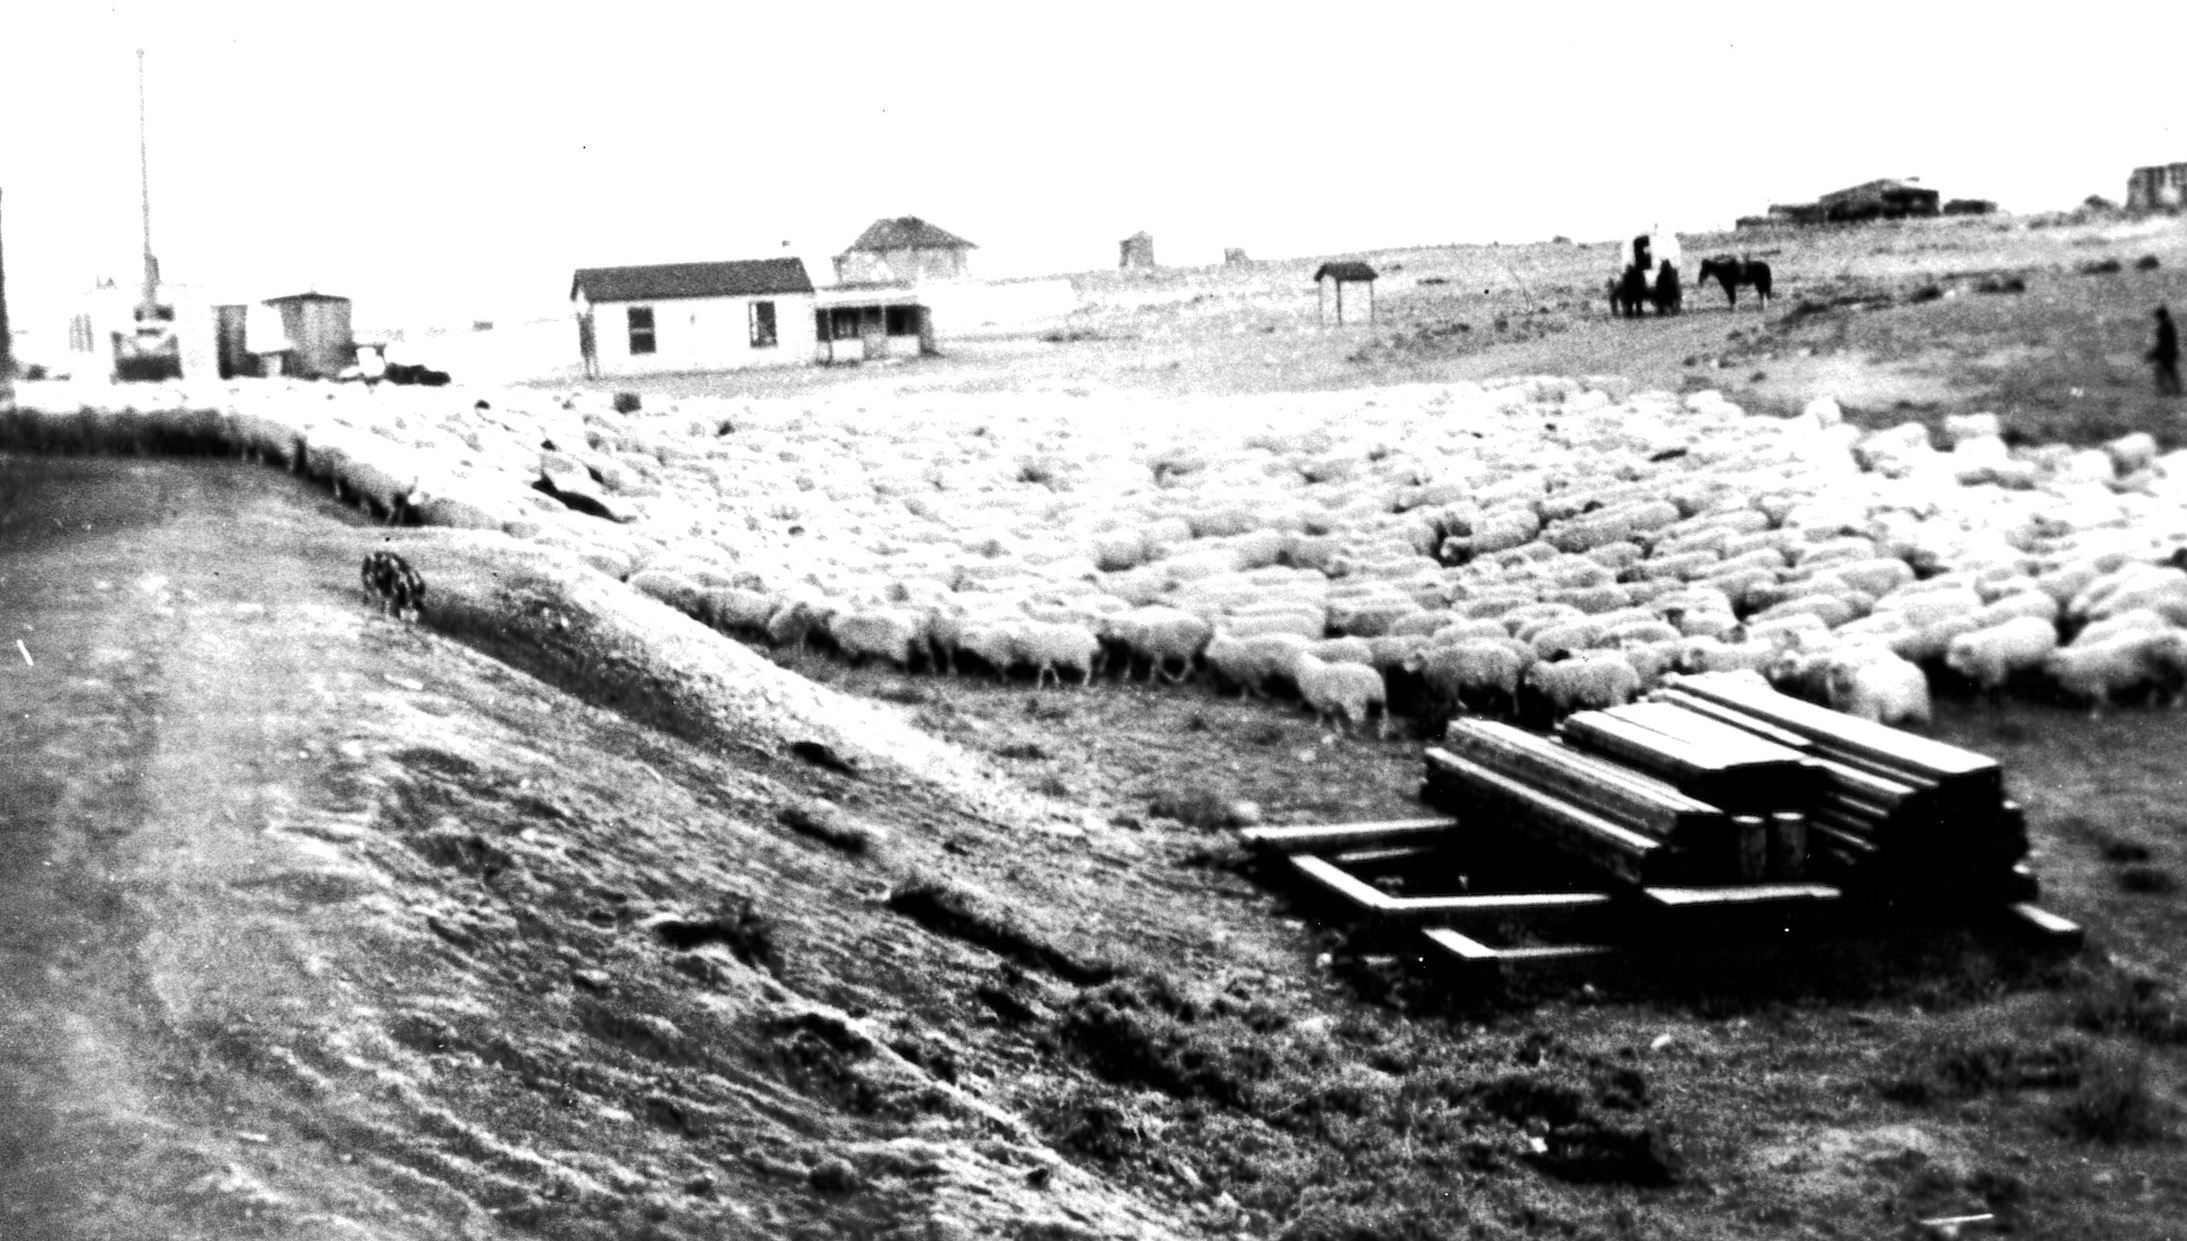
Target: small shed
(1136, 252)
(1331, 279)
(317, 325)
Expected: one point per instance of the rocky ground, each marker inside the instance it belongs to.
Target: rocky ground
(320, 924)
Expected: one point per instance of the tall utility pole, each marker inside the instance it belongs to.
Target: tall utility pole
(144, 180)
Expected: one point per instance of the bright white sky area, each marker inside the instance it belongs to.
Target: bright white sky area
(449, 161)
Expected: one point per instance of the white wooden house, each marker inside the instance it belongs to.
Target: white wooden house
(694, 317)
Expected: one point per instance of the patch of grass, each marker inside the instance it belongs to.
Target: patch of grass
(2148, 880)
(946, 909)
(1142, 1031)
(2118, 1003)
(825, 823)
(1962, 1067)
(2114, 1105)
(1194, 805)
(735, 923)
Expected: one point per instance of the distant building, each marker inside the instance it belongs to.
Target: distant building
(1887, 199)
(1970, 206)
(694, 316)
(2160, 187)
(1330, 279)
(1136, 252)
(317, 326)
(1235, 257)
(905, 250)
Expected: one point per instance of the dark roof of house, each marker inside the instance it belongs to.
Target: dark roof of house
(908, 233)
(1888, 185)
(304, 297)
(663, 281)
(1345, 272)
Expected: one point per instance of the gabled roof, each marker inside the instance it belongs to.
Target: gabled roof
(304, 297)
(664, 281)
(1345, 272)
(1888, 185)
(908, 233)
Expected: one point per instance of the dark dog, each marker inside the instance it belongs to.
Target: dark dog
(398, 587)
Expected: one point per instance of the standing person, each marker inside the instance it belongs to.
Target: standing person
(2166, 354)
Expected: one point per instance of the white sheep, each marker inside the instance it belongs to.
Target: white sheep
(891, 634)
(1471, 667)
(1595, 682)
(2136, 659)
(2160, 588)
(1162, 636)
(1049, 647)
(1349, 691)
(1250, 662)
(1992, 656)
(1873, 684)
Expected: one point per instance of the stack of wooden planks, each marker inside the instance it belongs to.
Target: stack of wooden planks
(1894, 809)
(1643, 822)
(1719, 779)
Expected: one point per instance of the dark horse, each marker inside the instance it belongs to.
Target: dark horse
(1630, 291)
(1731, 273)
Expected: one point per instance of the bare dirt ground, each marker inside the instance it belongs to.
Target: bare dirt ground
(320, 925)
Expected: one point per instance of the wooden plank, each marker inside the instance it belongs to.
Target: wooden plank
(1733, 744)
(1875, 742)
(1733, 717)
(1743, 895)
(1639, 781)
(1341, 883)
(1464, 948)
(2048, 926)
(1335, 837)
(1627, 797)
(1384, 856)
(1610, 847)
(1473, 952)
(1693, 769)
(1498, 905)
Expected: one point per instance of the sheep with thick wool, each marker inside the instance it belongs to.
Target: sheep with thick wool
(2143, 659)
(1051, 647)
(1990, 657)
(1345, 691)
(1871, 683)
(1461, 674)
(892, 634)
(1251, 662)
(1587, 683)
(1162, 636)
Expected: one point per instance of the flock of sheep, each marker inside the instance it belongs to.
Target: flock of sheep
(1526, 547)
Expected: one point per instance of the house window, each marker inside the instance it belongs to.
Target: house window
(763, 325)
(641, 329)
(903, 320)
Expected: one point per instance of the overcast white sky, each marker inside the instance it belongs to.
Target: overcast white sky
(451, 160)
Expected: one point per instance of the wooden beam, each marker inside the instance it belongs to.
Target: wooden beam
(1743, 895)
(1337, 837)
(1609, 847)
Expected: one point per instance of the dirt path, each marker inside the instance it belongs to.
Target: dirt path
(175, 618)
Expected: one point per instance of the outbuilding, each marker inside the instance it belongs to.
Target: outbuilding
(905, 250)
(1331, 279)
(675, 317)
(1136, 252)
(317, 327)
